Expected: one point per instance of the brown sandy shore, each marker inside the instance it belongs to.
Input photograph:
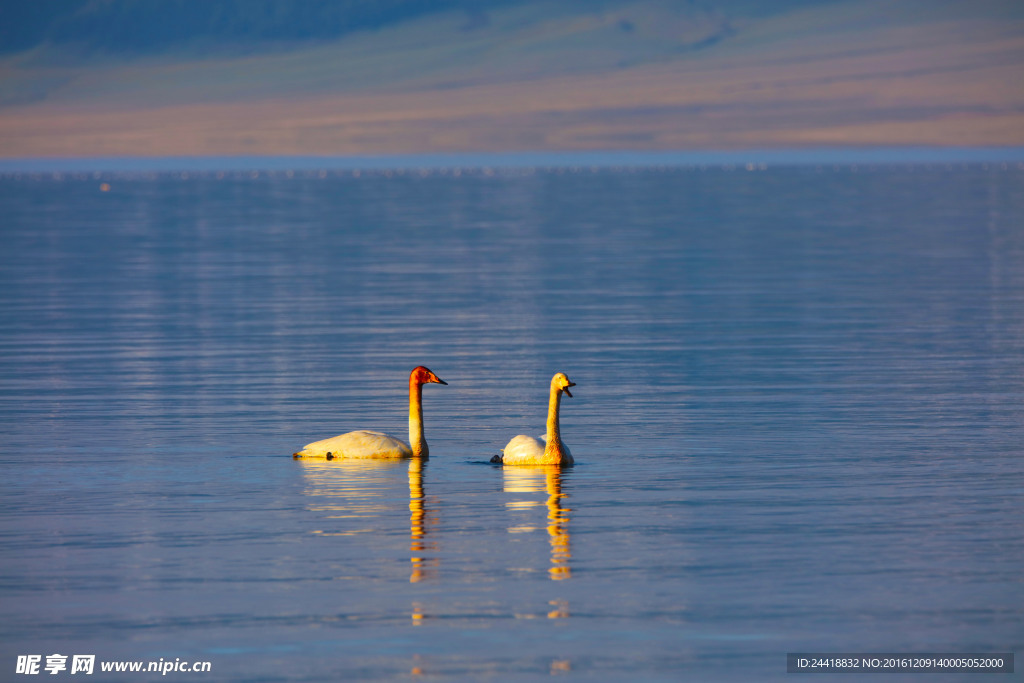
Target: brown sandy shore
(847, 73)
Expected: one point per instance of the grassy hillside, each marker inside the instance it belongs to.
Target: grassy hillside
(522, 75)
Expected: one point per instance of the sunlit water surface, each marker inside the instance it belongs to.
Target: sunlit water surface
(797, 420)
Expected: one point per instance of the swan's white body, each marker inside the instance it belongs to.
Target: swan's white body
(370, 444)
(360, 444)
(529, 450)
(548, 449)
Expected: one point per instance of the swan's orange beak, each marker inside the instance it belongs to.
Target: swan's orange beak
(566, 389)
(436, 380)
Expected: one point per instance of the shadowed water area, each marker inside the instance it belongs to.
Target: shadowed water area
(798, 419)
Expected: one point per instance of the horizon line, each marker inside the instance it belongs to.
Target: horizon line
(757, 157)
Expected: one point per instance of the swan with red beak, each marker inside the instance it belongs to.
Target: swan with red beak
(370, 444)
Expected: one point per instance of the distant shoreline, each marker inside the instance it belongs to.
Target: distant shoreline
(756, 159)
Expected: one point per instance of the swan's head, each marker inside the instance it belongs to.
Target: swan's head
(422, 375)
(562, 383)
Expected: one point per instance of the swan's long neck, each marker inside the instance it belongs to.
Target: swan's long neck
(416, 440)
(554, 438)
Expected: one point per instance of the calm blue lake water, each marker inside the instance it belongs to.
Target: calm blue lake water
(798, 420)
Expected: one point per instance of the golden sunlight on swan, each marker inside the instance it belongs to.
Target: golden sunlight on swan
(369, 444)
(548, 449)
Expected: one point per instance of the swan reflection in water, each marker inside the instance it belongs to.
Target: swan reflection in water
(546, 479)
(358, 493)
(420, 521)
(354, 493)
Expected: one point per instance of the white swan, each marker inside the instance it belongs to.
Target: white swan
(548, 449)
(367, 444)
